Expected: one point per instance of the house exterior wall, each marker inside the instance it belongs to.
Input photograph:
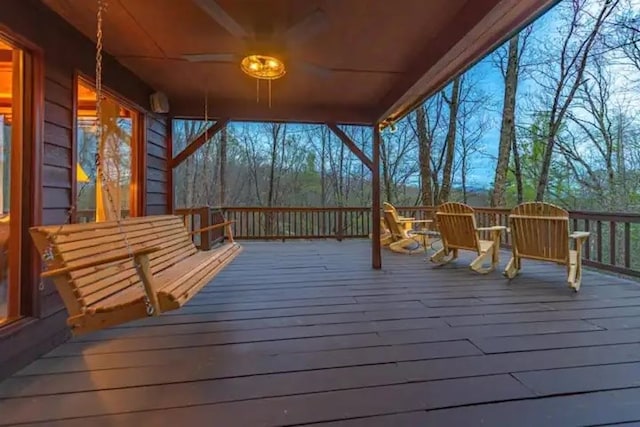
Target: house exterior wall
(61, 53)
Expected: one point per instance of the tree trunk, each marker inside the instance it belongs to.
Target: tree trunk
(222, 159)
(386, 178)
(424, 147)
(463, 177)
(560, 106)
(450, 141)
(275, 128)
(517, 170)
(508, 124)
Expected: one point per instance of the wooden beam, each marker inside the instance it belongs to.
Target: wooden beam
(480, 26)
(376, 255)
(351, 145)
(208, 133)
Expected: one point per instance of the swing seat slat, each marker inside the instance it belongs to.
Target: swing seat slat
(94, 271)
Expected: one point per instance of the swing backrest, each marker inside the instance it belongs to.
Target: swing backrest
(75, 244)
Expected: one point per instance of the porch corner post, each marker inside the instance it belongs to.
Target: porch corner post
(376, 255)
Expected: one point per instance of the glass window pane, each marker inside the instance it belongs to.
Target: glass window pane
(110, 199)
(9, 62)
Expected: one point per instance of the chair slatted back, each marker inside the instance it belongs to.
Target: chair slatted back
(540, 231)
(393, 221)
(74, 244)
(457, 225)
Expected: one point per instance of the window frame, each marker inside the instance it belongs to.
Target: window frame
(24, 264)
(138, 144)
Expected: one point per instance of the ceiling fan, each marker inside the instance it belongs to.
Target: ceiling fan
(266, 50)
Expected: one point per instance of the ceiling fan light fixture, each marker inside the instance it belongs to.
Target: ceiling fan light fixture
(263, 67)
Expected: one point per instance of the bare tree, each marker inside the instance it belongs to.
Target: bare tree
(562, 81)
(450, 140)
(509, 65)
(222, 166)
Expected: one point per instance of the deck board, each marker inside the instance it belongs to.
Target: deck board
(302, 333)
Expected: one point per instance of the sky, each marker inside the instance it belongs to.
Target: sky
(490, 79)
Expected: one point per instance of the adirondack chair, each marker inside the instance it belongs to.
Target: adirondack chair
(385, 234)
(540, 231)
(458, 230)
(404, 239)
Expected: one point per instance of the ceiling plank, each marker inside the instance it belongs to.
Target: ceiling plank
(434, 50)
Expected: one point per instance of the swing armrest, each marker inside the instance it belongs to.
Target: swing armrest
(212, 227)
(95, 263)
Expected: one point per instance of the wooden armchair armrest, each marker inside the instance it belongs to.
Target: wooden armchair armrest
(114, 258)
(578, 235)
(493, 228)
(418, 221)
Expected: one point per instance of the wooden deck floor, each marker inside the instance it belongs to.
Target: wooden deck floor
(302, 333)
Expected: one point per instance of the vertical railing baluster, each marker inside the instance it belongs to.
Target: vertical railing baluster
(587, 249)
(627, 245)
(599, 241)
(612, 243)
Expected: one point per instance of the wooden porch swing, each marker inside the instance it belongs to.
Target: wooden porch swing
(113, 272)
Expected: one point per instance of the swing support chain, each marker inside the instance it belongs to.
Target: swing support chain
(100, 172)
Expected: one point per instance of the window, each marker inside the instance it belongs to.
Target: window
(116, 196)
(11, 116)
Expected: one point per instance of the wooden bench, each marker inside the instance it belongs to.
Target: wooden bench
(103, 271)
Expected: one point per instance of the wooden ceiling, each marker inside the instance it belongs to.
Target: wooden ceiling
(381, 59)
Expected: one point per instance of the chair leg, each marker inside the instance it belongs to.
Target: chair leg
(386, 240)
(400, 247)
(575, 276)
(513, 267)
(440, 257)
(477, 263)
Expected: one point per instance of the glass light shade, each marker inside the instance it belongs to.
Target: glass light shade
(263, 67)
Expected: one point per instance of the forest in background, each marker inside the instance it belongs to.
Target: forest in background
(550, 115)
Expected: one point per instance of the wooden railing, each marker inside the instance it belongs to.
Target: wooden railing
(614, 244)
(199, 218)
(299, 223)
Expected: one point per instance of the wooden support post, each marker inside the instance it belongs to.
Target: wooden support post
(376, 255)
(339, 226)
(209, 133)
(205, 235)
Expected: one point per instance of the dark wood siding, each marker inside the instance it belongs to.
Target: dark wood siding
(157, 165)
(67, 52)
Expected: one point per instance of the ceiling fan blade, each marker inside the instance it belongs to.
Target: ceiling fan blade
(308, 27)
(214, 10)
(308, 67)
(211, 57)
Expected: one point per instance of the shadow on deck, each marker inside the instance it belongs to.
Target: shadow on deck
(305, 332)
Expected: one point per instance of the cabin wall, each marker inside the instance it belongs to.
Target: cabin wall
(67, 52)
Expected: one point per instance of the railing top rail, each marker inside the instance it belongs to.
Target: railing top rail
(297, 209)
